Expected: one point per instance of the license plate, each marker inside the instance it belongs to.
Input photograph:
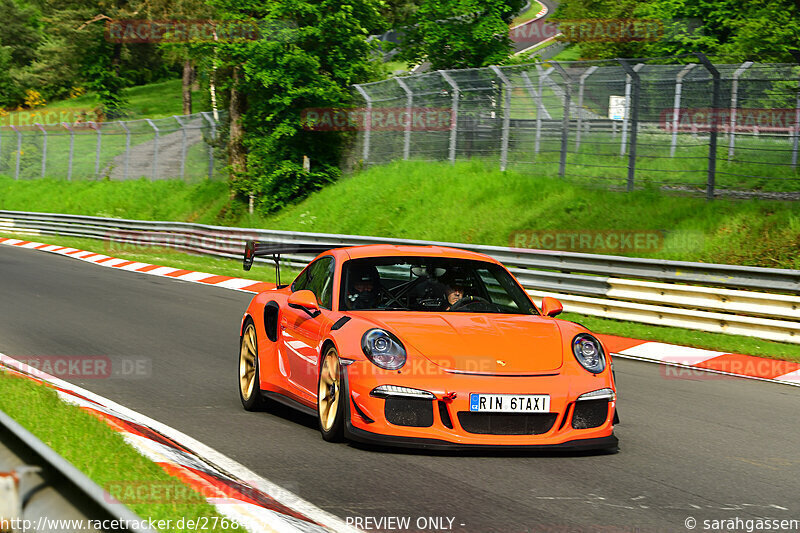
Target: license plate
(509, 403)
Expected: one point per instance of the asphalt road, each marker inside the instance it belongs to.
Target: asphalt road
(701, 447)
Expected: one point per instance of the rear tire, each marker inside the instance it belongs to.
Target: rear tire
(330, 398)
(249, 375)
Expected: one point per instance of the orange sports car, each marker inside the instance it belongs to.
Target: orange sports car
(423, 346)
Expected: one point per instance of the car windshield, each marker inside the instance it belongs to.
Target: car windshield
(431, 284)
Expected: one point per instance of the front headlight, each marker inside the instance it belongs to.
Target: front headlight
(383, 349)
(589, 353)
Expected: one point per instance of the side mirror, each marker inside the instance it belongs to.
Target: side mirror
(551, 306)
(304, 300)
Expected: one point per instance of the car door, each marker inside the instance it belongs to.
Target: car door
(302, 332)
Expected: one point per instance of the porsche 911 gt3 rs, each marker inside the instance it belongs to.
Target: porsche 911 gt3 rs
(424, 346)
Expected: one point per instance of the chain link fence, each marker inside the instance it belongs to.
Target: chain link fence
(697, 127)
(180, 147)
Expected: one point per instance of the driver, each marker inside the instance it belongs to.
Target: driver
(363, 290)
(455, 289)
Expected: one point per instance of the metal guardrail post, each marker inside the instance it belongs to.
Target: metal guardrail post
(71, 149)
(407, 127)
(796, 127)
(543, 75)
(19, 150)
(96, 127)
(451, 155)
(183, 145)
(506, 116)
(712, 145)
(734, 98)
(155, 150)
(581, 82)
(367, 122)
(676, 107)
(636, 82)
(213, 124)
(44, 148)
(562, 164)
(126, 158)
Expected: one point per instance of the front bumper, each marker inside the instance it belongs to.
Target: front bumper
(370, 419)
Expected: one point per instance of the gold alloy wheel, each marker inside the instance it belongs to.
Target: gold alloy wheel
(247, 362)
(329, 386)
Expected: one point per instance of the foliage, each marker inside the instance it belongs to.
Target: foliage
(460, 33)
(728, 31)
(309, 56)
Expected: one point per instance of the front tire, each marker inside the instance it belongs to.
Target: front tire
(249, 376)
(330, 400)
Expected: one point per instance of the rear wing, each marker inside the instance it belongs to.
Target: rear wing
(253, 249)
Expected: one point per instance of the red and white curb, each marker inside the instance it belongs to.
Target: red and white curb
(731, 364)
(227, 282)
(236, 492)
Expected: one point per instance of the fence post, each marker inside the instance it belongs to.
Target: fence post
(562, 165)
(213, 124)
(71, 149)
(407, 127)
(96, 127)
(155, 150)
(453, 116)
(581, 82)
(44, 148)
(712, 144)
(633, 76)
(734, 97)
(183, 145)
(367, 122)
(676, 108)
(19, 150)
(536, 97)
(506, 117)
(625, 118)
(796, 127)
(127, 156)
(543, 74)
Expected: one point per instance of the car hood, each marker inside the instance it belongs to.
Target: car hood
(480, 344)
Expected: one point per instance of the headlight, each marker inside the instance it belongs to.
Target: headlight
(589, 353)
(383, 349)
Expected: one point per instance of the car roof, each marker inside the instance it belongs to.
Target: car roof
(395, 250)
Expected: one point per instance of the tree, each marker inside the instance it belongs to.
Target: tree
(460, 33)
(726, 30)
(309, 55)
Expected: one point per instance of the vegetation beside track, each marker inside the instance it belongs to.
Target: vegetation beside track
(469, 202)
(101, 453)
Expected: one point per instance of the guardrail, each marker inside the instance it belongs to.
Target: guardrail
(52, 491)
(628, 288)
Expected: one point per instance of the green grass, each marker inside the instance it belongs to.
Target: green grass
(529, 14)
(571, 53)
(155, 100)
(473, 202)
(97, 450)
(688, 337)
(138, 199)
